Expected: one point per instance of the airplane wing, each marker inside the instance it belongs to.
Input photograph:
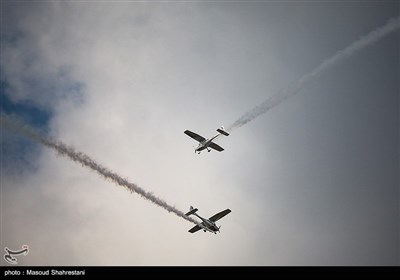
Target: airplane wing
(218, 216)
(215, 147)
(194, 229)
(194, 136)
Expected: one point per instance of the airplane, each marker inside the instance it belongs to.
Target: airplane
(207, 143)
(207, 224)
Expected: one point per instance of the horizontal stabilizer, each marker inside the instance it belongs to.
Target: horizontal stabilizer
(192, 211)
(223, 132)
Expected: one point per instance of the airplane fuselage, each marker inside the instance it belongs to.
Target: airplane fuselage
(208, 225)
(203, 145)
(206, 143)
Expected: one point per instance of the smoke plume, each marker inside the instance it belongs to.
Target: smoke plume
(392, 25)
(79, 157)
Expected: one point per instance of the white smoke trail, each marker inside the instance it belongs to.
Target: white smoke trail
(86, 161)
(392, 25)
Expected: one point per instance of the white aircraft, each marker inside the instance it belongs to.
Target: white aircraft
(207, 143)
(207, 224)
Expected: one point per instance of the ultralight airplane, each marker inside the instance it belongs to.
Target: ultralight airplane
(207, 224)
(207, 143)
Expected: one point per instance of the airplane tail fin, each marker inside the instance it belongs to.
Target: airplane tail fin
(192, 211)
(222, 131)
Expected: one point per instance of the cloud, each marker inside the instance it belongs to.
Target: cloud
(392, 25)
(33, 65)
(126, 98)
(124, 80)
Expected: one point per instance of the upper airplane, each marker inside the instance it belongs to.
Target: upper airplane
(207, 143)
(207, 224)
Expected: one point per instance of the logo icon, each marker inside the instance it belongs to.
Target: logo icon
(9, 255)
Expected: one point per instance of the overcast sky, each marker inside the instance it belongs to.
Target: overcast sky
(315, 181)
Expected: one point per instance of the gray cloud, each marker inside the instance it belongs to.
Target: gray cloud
(83, 159)
(392, 25)
(314, 182)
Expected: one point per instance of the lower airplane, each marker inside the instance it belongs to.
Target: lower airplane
(207, 224)
(207, 143)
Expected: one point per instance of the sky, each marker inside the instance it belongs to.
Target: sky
(314, 181)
